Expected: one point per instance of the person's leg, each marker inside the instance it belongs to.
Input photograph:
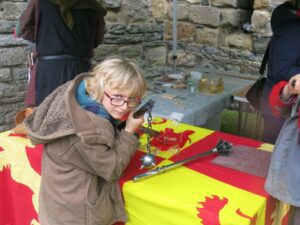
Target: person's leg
(272, 126)
(294, 216)
(247, 27)
(50, 74)
(42, 83)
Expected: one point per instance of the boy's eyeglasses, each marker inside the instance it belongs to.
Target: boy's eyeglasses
(120, 102)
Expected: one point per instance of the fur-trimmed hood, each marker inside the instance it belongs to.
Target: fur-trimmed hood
(56, 118)
(51, 120)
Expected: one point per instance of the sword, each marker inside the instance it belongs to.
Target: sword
(223, 147)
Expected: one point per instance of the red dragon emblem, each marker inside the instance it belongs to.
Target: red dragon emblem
(20, 173)
(209, 213)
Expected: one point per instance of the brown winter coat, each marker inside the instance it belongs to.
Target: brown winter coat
(83, 159)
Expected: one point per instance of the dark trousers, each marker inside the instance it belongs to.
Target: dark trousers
(294, 216)
(272, 126)
(50, 74)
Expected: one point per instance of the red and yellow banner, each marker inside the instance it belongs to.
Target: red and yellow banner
(199, 192)
(19, 180)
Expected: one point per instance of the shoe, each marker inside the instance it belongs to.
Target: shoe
(247, 27)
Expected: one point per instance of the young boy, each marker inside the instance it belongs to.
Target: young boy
(283, 178)
(84, 153)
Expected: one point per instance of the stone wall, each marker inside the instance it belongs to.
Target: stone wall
(209, 35)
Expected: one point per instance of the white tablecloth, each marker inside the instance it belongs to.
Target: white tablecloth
(197, 108)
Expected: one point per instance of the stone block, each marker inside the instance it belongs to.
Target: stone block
(12, 56)
(112, 4)
(159, 9)
(195, 48)
(156, 57)
(207, 36)
(144, 28)
(20, 75)
(224, 32)
(251, 68)
(233, 17)
(205, 15)
(182, 11)
(116, 28)
(6, 90)
(224, 3)
(185, 31)
(194, 1)
(112, 16)
(131, 51)
(134, 11)
(240, 41)
(261, 22)
(7, 26)
(260, 43)
(5, 75)
(8, 40)
(262, 4)
(102, 51)
(183, 59)
(11, 10)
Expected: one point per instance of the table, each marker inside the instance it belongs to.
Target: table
(200, 192)
(199, 109)
(240, 97)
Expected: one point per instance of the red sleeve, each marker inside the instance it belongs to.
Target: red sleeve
(28, 21)
(277, 105)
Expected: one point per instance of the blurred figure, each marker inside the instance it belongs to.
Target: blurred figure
(247, 26)
(65, 33)
(283, 178)
(283, 60)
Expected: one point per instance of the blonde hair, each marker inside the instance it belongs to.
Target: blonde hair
(117, 73)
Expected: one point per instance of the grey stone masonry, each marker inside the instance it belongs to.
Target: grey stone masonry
(209, 34)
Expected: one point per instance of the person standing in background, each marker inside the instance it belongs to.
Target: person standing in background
(283, 60)
(65, 33)
(247, 27)
(283, 179)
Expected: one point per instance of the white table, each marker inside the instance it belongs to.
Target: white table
(200, 109)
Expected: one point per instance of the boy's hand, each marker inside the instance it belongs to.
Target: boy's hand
(132, 124)
(292, 88)
(294, 85)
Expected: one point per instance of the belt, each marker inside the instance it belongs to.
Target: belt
(53, 57)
